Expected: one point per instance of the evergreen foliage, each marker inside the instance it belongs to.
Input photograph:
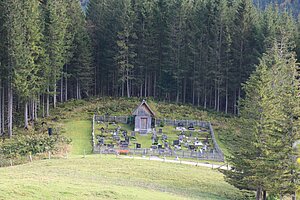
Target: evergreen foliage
(263, 156)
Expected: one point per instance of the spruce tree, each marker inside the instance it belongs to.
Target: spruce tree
(263, 154)
(125, 42)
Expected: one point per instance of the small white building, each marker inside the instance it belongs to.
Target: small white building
(143, 116)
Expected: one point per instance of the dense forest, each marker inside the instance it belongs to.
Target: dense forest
(187, 51)
(45, 52)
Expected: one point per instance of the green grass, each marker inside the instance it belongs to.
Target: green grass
(108, 177)
(80, 132)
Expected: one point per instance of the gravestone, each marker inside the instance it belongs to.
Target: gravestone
(159, 146)
(127, 139)
(138, 146)
(191, 134)
(198, 143)
(191, 147)
(154, 139)
(160, 131)
(164, 137)
(132, 134)
(116, 137)
(166, 145)
(49, 131)
(180, 137)
(180, 124)
(175, 142)
(101, 140)
(102, 129)
(153, 147)
(111, 146)
(124, 133)
(191, 127)
(123, 144)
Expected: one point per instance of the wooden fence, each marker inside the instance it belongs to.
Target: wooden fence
(205, 155)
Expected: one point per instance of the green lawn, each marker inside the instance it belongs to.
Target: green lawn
(80, 131)
(108, 177)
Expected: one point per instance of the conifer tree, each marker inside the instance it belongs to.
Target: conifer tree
(263, 153)
(125, 43)
(56, 28)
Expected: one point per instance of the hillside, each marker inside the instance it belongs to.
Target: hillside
(96, 177)
(108, 177)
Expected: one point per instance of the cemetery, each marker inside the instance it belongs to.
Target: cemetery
(141, 133)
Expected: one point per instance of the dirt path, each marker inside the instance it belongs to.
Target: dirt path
(154, 158)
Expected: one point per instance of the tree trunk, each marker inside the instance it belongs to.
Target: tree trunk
(26, 115)
(218, 98)
(66, 85)
(198, 99)
(258, 193)
(205, 99)
(77, 89)
(10, 108)
(216, 92)
(62, 89)
(239, 98)
(54, 95)
(154, 85)
(43, 105)
(123, 85)
(226, 98)
(177, 94)
(35, 109)
(32, 112)
(184, 90)
(48, 102)
(234, 103)
(264, 195)
(127, 86)
(3, 109)
(294, 196)
(141, 90)
(146, 84)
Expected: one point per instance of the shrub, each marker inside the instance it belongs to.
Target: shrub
(23, 145)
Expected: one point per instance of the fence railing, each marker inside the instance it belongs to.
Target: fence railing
(119, 119)
(209, 155)
(175, 122)
(217, 148)
(93, 132)
(216, 153)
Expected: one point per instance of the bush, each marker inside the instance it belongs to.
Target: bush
(31, 144)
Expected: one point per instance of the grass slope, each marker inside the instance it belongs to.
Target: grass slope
(80, 132)
(108, 177)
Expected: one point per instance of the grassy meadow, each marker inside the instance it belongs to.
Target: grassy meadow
(108, 177)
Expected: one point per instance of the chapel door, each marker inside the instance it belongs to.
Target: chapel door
(144, 123)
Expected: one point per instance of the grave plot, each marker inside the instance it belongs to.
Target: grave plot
(122, 136)
(182, 138)
(114, 135)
